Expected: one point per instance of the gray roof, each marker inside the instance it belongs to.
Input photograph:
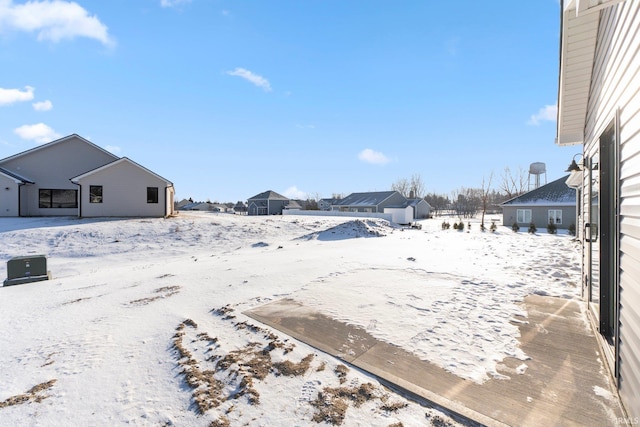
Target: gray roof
(554, 193)
(416, 202)
(270, 195)
(365, 199)
(15, 176)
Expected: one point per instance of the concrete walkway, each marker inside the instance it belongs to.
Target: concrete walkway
(565, 383)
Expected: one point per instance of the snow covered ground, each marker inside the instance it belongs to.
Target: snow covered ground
(142, 321)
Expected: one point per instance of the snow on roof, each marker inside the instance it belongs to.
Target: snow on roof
(555, 193)
(365, 199)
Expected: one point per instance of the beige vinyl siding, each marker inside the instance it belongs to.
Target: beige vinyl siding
(8, 196)
(616, 88)
(50, 167)
(124, 192)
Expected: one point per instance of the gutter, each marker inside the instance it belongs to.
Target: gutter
(79, 198)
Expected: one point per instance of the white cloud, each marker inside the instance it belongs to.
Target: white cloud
(375, 157)
(53, 20)
(113, 149)
(9, 96)
(173, 3)
(546, 113)
(251, 77)
(294, 193)
(42, 106)
(39, 133)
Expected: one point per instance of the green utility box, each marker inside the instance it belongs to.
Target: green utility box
(26, 269)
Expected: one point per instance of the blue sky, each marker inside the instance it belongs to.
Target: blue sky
(227, 99)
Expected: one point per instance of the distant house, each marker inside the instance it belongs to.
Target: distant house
(197, 206)
(326, 204)
(295, 204)
(181, 203)
(403, 210)
(552, 203)
(371, 202)
(73, 176)
(421, 208)
(267, 203)
(240, 208)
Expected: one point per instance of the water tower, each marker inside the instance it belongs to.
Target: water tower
(537, 169)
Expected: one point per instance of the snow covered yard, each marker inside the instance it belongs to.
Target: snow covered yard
(142, 321)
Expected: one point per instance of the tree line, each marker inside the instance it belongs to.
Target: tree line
(467, 202)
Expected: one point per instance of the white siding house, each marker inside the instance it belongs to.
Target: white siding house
(124, 188)
(55, 179)
(599, 110)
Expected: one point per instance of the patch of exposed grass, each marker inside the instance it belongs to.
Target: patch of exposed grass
(341, 371)
(332, 403)
(164, 292)
(290, 369)
(220, 422)
(224, 312)
(34, 394)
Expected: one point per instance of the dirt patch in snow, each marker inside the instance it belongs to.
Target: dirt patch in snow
(224, 376)
(34, 394)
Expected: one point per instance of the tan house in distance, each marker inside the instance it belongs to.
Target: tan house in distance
(72, 176)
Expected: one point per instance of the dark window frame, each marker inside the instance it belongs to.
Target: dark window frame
(95, 194)
(55, 199)
(152, 194)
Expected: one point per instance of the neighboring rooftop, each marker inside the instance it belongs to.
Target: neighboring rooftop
(365, 199)
(554, 193)
(271, 195)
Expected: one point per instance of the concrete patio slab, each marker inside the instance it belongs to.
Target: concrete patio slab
(565, 382)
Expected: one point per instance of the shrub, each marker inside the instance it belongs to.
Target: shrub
(552, 228)
(455, 225)
(493, 227)
(532, 228)
(515, 227)
(572, 229)
(461, 226)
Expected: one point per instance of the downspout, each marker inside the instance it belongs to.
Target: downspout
(20, 184)
(79, 198)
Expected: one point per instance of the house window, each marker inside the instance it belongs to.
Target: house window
(555, 216)
(95, 194)
(54, 198)
(524, 216)
(152, 194)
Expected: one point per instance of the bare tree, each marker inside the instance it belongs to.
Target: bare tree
(438, 202)
(416, 187)
(485, 196)
(513, 183)
(402, 186)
